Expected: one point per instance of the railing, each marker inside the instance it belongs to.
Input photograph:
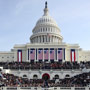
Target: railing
(40, 88)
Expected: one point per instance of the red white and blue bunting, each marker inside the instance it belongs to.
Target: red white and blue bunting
(73, 55)
(19, 56)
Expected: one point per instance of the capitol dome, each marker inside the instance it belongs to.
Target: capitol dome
(46, 19)
(46, 30)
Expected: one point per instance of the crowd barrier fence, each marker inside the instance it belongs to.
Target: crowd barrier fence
(40, 88)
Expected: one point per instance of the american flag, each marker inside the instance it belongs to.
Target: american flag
(60, 53)
(32, 54)
(51, 54)
(46, 54)
(40, 54)
(73, 55)
(19, 55)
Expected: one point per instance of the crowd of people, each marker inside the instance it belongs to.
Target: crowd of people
(78, 80)
(45, 65)
(15, 81)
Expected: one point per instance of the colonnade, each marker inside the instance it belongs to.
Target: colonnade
(55, 50)
(45, 38)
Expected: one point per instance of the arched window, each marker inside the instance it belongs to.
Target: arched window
(43, 38)
(46, 20)
(40, 39)
(43, 29)
(35, 76)
(56, 76)
(24, 76)
(51, 29)
(46, 29)
(67, 76)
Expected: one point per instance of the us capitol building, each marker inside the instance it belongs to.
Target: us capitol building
(46, 44)
(44, 60)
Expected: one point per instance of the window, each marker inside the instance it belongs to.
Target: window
(51, 29)
(46, 29)
(43, 29)
(24, 75)
(43, 38)
(56, 76)
(35, 76)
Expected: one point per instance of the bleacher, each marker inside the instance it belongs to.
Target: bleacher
(44, 65)
(12, 82)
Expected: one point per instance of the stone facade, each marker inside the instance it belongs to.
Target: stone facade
(46, 34)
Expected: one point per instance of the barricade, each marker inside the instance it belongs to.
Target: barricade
(40, 88)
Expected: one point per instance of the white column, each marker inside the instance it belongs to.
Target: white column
(27, 54)
(63, 54)
(56, 39)
(57, 54)
(52, 39)
(43, 54)
(47, 38)
(77, 55)
(41, 39)
(37, 39)
(35, 54)
(54, 54)
(34, 40)
(49, 53)
(44, 38)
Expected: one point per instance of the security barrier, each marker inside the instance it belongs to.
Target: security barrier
(40, 88)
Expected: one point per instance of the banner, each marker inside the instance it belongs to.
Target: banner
(73, 55)
(52, 54)
(32, 54)
(40, 54)
(19, 55)
(60, 54)
(46, 54)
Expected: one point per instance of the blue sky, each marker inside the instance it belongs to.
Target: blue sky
(18, 18)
